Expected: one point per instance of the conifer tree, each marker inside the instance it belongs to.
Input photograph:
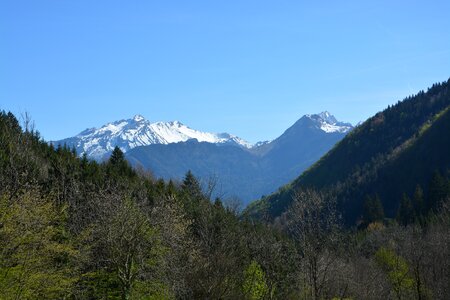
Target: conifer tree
(438, 191)
(405, 213)
(118, 166)
(373, 210)
(117, 157)
(191, 186)
(418, 202)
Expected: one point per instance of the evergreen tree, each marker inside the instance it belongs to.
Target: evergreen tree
(438, 191)
(418, 202)
(171, 188)
(191, 186)
(117, 157)
(118, 166)
(405, 213)
(373, 209)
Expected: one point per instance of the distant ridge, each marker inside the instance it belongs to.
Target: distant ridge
(127, 134)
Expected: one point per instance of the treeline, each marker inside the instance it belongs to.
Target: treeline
(416, 208)
(381, 260)
(71, 228)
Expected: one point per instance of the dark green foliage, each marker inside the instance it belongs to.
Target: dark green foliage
(373, 210)
(117, 157)
(419, 202)
(438, 191)
(406, 213)
(117, 166)
(191, 186)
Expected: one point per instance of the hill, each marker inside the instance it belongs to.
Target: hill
(388, 155)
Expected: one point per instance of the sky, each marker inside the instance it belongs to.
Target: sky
(250, 68)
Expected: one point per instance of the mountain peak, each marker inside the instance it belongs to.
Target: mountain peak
(328, 117)
(138, 118)
(328, 123)
(127, 134)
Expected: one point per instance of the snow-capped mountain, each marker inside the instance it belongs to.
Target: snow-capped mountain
(328, 123)
(127, 134)
(247, 173)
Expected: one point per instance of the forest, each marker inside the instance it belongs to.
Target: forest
(72, 228)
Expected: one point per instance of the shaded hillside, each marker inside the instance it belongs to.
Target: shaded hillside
(234, 168)
(388, 155)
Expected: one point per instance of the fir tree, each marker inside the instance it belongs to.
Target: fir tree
(373, 210)
(438, 191)
(117, 157)
(405, 213)
(418, 202)
(191, 186)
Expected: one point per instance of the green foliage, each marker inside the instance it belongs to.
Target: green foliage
(37, 259)
(397, 271)
(131, 243)
(438, 191)
(150, 290)
(254, 286)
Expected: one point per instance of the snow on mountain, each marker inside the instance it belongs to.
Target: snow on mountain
(328, 123)
(131, 133)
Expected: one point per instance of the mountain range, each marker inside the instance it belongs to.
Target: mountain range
(240, 169)
(98, 143)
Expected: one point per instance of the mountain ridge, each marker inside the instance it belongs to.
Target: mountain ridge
(363, 163)
(127, 134)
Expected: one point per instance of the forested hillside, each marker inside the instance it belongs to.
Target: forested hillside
(71, 228)
(393, 153)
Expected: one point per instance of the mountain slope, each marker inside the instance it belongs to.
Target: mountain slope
(241, 172)
(387, 155)
(301, 145)
(131, 133)
(231, 166)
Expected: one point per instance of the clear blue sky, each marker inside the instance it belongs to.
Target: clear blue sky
(251, 68)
